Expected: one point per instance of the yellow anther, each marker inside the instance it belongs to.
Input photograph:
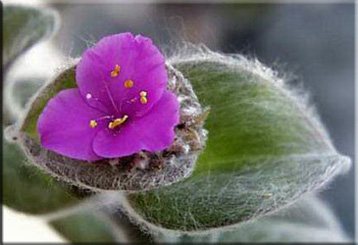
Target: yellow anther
(143, 100)
(143, 97)
(128, 84)
(117, 122)
(115, 71)
(143, 94)
(93, 123)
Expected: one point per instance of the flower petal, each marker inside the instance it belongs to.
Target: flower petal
(152, 132)
(64, 126)
(139, 61)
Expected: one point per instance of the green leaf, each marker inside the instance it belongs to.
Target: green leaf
(16, 94)
(87, 226)
(265, 149)
(23, 27)
(28, 190)
(25, 89)
(309, 220)
(128, 231)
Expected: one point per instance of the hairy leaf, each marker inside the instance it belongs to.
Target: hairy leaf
(266, 147)
(129, 232)
(27, 189)
(88, 227)
(23, 27)
(309, 220)
(16, 94)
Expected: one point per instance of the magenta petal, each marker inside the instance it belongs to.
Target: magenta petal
(139, 61)
(64, 126)
(152, 132)
(121, 84)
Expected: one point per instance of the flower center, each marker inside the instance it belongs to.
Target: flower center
(115, 123)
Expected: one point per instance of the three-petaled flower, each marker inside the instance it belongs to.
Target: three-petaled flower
(121, 105)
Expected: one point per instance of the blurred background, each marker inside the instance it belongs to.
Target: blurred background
(312, 43)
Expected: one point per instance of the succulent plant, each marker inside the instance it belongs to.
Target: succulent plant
(249, 152)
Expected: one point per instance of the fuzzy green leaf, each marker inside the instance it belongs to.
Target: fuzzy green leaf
(23, 27)
(265, 149)
(17, 93)
(27, 189)
(87, 226)
(308, 220)
(24, 90)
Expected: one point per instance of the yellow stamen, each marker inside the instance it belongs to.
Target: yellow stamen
(143, 97)
(128, 84)
(143, 100)
(93, 123)
(115, 71)
(143, 94)
(117, 122)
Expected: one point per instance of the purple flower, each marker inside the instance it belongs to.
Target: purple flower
(121, 105)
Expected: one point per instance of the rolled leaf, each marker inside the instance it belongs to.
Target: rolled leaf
(266, 148)
(16, 95)
(23, 27)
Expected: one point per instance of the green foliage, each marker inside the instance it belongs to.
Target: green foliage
(86, 226)
(308, 220)
(24, 90)
(23, 27)
(27, 189)
(266, 148)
